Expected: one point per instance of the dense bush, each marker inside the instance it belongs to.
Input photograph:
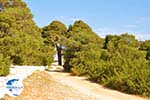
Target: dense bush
(46, 55)
(55, 32)
(4, 65)
(119, 65)
(20, 39)
(85, 60)
(127, 71)
(146, 47)
(80, 38)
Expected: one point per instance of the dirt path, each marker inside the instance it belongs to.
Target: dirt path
(81, 85)
(55, 85)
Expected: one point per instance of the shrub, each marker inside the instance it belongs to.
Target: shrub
(85, 60)
(4, 65)
(125, 70)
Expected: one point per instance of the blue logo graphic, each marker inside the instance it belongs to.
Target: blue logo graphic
(14, 87)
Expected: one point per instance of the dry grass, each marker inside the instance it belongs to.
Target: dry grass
(35, 87)
(41, 86)
(60, 86)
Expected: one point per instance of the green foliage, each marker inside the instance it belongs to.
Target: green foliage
(119, 65)
(46, 55)
(126, 69)
(113, 41)
(117, 62)
(54, 33)
(20, 38)
(125, 65)
(4, 65)
(85, 60)
(80, 37)
(146, 47)
(14, 3)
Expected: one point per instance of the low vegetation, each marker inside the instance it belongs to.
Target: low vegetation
(4, 65)
(118, 61)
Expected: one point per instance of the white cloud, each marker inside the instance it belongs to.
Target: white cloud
(75, 19)
(142, 36)
(143, 20)
(102, 32)
(130, 26)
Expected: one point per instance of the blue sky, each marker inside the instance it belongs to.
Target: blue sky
(104, 16)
